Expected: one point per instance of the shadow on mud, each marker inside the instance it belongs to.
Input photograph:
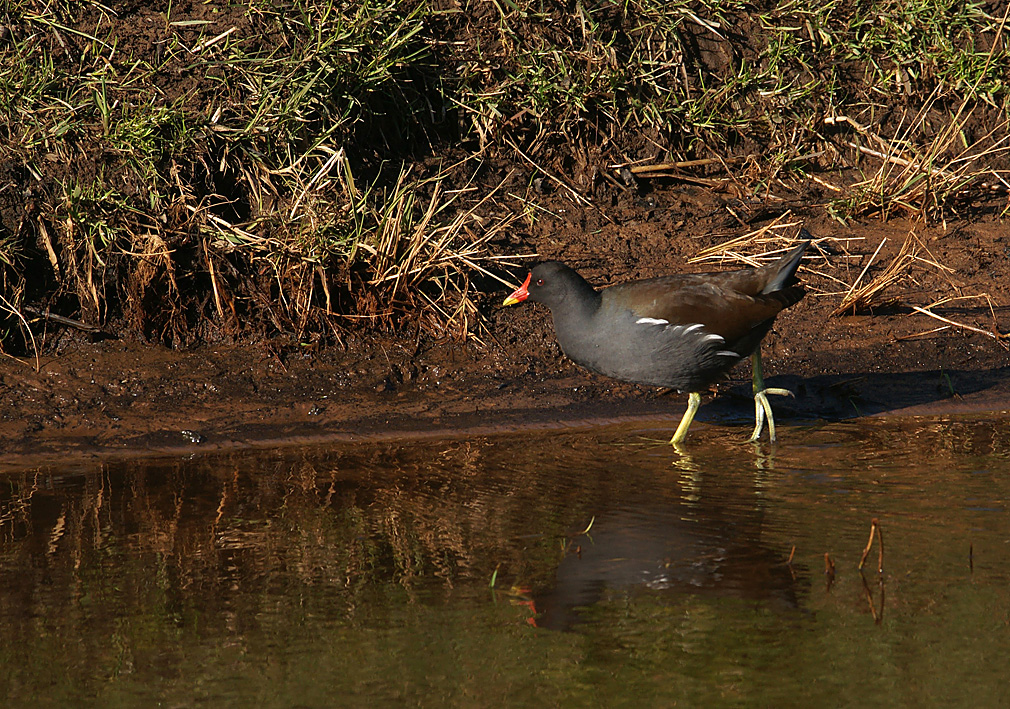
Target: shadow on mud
(840, 397)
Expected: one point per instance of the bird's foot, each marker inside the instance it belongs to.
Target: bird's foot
(763, 410)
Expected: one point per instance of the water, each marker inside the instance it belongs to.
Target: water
(462, 572)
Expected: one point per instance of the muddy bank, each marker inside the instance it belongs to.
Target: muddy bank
(117, 397)
(620, 177)
(122, 398)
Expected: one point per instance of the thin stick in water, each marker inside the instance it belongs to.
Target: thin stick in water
(874, 531)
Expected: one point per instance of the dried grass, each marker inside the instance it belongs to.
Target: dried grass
(925, 181)
(426, 253)
(863, 298)
(993, 332)
(761, 246)
(7, 306)
(914, 259)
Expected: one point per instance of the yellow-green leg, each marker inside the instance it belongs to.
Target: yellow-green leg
(693, 402)
(762, 407)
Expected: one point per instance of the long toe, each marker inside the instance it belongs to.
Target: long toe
(763, 412)
(759, 419)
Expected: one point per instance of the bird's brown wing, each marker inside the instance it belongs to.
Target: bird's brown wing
(730, 306)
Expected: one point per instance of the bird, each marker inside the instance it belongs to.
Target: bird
(682, 331)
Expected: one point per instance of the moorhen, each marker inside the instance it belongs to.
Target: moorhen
(682, 332)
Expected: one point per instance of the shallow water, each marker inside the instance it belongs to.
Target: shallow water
(461, 572)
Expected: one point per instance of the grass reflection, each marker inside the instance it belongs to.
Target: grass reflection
(361, 573)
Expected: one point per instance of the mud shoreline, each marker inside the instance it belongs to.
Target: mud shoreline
(115, 400)
(122, 397)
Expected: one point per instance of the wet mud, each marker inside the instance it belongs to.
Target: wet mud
(117, 397)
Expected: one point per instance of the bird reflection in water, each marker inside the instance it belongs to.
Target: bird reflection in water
(667, 549)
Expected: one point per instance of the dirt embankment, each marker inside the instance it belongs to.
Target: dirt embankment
(117, 396)
(221, 245)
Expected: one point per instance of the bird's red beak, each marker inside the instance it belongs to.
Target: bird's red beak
(520, 294)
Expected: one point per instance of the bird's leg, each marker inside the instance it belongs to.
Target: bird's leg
(762, 407)
(693, 402)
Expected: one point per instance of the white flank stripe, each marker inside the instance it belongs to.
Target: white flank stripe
(652, 321)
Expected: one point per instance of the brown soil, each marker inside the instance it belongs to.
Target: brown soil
(116, 397)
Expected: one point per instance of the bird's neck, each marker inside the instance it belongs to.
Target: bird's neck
(574, 315)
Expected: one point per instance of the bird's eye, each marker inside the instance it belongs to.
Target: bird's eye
(540, 281)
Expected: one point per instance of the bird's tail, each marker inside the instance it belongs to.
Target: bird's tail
(786, 266)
